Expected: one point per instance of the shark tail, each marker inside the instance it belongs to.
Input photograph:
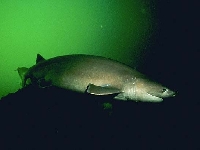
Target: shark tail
(22, 73)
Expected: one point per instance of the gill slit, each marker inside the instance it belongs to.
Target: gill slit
(134, 88)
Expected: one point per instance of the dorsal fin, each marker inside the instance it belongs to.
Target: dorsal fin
(39, 58)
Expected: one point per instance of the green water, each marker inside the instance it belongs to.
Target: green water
(112, 28)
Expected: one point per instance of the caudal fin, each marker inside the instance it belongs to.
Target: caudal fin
(22, 72)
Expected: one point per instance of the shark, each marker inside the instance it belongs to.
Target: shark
(94, 75)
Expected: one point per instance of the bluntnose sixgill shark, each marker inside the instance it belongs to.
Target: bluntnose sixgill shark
(94, 75)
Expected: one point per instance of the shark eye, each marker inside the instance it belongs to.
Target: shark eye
(164, 90)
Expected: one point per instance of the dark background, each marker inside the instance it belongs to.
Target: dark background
(55, 118)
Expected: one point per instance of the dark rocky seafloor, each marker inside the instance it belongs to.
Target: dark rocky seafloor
(53, 118)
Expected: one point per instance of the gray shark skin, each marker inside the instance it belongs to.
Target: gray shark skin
(94, 75)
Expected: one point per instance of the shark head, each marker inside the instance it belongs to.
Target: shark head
(147, 91)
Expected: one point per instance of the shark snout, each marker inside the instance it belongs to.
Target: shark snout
(169, 93)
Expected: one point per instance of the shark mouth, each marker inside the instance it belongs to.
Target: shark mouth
(153, 98)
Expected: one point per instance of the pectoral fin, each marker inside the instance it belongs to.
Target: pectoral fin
(102, 90)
